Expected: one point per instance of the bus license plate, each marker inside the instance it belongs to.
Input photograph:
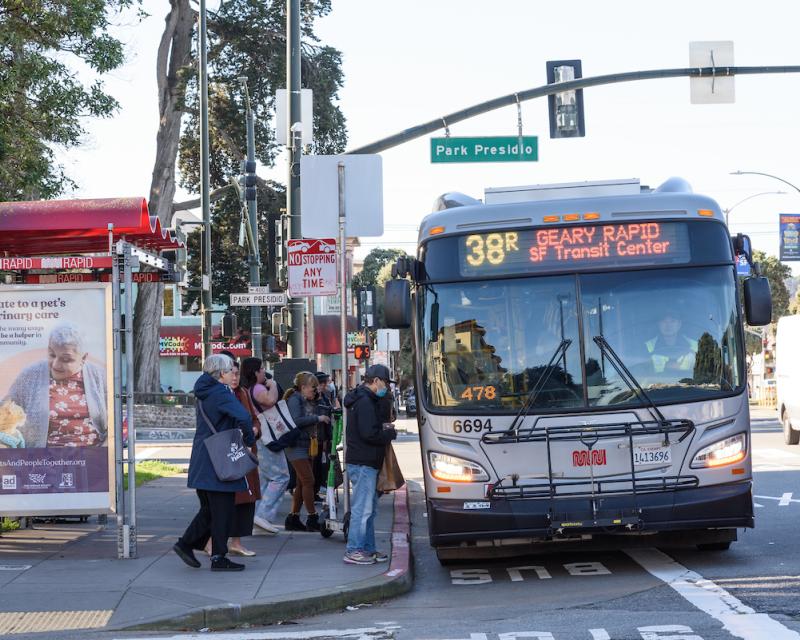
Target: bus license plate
(649, 454)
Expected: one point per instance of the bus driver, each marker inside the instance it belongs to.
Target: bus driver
(671, 350)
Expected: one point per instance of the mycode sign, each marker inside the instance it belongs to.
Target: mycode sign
(485, 149)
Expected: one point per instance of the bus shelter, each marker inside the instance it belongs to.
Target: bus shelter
(67, 270)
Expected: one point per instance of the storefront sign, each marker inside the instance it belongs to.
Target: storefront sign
(188, 341)
(56, 416)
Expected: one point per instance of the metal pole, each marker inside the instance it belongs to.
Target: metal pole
(343, 328)
(129, 389)
(205, 284)
(252, 213)
(119, 487)
(294, 139)
(559, 87)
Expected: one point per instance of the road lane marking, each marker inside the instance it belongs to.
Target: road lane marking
(737, 618)
(365, 633)
(599, 634)
(784, 501)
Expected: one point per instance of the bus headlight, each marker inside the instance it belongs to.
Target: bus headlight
(453, 469)
(720, 453)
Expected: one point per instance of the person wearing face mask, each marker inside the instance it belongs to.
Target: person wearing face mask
(366, 443)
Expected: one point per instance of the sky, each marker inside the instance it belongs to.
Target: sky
(409, 62)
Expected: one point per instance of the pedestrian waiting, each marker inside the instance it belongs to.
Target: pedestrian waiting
(301, 400)
(367, 437)
(217, 497)
(273, 469)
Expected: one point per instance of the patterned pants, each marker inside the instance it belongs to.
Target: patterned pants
(273, 472)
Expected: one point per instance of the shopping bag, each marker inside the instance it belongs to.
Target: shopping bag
(275, 422)
(229, 457)
(390, 477)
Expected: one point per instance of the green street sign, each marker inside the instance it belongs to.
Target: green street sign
(491, 149)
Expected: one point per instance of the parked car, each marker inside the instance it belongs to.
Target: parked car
(411, 404)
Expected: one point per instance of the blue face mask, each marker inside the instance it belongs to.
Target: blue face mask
(381, 392)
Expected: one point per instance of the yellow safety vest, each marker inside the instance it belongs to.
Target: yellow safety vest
(685, 362)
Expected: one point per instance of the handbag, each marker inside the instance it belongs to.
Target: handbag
(229, 457)
(276, 422)
(390, 478)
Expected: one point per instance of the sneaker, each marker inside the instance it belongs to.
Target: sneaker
(312, 523)
(221, 563)
(358, 557)
(293, 523)
(380, 556)
(185, 554)
(265, 525)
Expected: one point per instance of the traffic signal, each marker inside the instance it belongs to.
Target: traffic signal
(361, 352)
(566, 108)
(230, 325)
(250, 180)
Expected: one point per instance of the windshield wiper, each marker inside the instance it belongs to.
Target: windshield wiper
(544, 376)
(627, 377)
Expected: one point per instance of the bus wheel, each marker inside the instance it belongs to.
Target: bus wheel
(790, 436)
(714, 546)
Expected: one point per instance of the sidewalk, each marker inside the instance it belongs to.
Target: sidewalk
(67, 576)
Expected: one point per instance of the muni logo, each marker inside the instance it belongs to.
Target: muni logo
(585, 457)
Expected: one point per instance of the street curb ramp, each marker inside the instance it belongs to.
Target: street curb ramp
(396, 580)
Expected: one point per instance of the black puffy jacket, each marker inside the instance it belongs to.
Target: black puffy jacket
(366, 437)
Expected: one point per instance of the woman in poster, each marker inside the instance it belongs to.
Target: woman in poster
(63, 397)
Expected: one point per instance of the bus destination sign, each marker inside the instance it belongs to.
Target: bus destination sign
(601, 245)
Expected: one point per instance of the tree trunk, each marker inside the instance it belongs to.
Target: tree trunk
(174, 58)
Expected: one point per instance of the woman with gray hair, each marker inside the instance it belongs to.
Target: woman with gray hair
(217, 497)
(64, 397)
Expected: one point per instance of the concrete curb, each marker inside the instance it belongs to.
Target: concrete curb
(395, 581)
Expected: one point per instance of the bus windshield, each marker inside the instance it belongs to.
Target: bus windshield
(488, 344)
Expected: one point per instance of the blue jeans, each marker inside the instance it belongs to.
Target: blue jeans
(273, 472)
(363, 508)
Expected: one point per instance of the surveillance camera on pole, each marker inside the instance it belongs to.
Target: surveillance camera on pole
(566, 108)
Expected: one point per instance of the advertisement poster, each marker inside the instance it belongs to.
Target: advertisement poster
(790, 237)
(56, 400)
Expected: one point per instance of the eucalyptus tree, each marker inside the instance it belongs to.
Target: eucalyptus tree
(246, 41)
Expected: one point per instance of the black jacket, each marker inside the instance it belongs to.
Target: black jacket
(366, 437)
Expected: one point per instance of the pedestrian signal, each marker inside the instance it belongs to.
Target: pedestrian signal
(361, 352)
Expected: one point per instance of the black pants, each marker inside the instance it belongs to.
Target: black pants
(214, 520)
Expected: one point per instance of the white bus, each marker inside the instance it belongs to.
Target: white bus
(580, 367)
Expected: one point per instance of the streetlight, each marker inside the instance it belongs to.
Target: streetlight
(750, 197)
(768, 175)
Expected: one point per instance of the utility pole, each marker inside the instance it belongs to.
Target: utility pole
(205, 254)
(251, 195)
(294, 140)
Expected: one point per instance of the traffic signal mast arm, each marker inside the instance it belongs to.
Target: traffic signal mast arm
(560, 87)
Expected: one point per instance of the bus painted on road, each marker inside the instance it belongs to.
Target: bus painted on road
(580, 367)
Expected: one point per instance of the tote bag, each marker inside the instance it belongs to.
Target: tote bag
(275, 422)
(390, 477)
(229, 457)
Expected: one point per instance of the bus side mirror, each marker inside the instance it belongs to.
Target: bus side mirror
(757, 301)
(397, 304)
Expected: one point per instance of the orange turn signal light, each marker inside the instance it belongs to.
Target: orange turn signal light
(436, 231)
(551, 218)
(442, 489)
(708, 213)
(571, 217)
(591, 216)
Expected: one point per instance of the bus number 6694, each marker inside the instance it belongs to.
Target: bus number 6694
(471, 425)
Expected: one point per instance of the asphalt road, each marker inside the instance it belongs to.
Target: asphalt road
(751, 591)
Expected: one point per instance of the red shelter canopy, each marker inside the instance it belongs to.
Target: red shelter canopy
(52, 227)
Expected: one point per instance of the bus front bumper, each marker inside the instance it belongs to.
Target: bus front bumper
(713, 507)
